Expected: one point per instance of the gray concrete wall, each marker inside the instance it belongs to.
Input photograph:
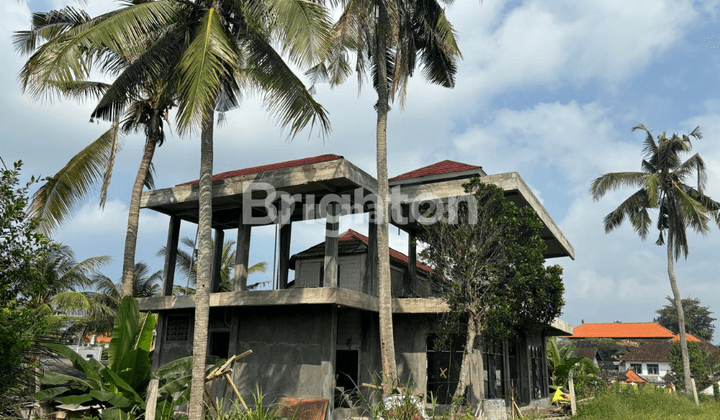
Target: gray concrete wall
(293, 351)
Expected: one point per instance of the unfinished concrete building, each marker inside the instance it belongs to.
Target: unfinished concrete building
(316, 335)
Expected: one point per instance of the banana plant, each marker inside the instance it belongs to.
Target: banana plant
(119, 388)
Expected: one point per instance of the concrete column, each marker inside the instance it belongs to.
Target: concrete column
(171, 256)
(242, 257)
(371, 262)
(284, 260)
(332, 226)
(217, 260)
(412, 264)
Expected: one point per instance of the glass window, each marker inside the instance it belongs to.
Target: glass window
(637, 367)
(653, 369)
(443, 368)
(538, 373)
(493, 372)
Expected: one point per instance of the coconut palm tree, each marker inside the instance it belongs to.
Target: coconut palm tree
(662, 184)
(144, 111)
(65, 281)
(216, 51)
(390, 38)
(186, 264)
(107, 297)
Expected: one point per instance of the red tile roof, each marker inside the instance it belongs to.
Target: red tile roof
(632, 377)
(440, 168)
(351, 234)
(688, 337)
(271, 167)
(622, 330)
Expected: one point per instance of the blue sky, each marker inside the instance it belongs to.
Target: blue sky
(547, 88)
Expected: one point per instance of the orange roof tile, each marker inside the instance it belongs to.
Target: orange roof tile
(632, 377)
(688, 337)
(440, 168)
(622, 330)
(271, 167)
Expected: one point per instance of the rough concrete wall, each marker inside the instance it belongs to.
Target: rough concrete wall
(351, 272)
(410, 332)
(293, 351)
(307, 273)
(175, 349)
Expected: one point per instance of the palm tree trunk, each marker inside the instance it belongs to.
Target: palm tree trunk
(681, 321)
(465, 365)
(387, 340)
(134, 217)
(202, 293)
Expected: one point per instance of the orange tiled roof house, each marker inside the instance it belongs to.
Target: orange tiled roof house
(315, 334)
(642, 347)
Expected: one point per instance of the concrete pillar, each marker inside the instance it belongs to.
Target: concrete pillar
(242, 257)
(171, 256)
(332, 226)
(284, 262)
(217, 260)
(412, 264)
(371, 262)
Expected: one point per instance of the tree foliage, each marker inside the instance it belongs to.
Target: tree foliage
(493, 270)
(702, 364)
(698, 319)
(21, 247)
(664, 185)
(21, 251)
(489, 267)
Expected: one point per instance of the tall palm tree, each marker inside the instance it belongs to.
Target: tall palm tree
(662, 184)
(216, 50)
(107, 297)
(186, 264)
(144, 110)
(65, 282)
(390, 38)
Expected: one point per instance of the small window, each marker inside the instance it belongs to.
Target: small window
(653, 369)
(637, 367)
(178, 328)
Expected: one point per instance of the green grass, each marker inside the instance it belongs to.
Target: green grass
(646, 403)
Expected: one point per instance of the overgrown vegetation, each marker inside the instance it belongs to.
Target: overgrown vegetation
(646, 403)
(21, 249)
(489, 266)
(702, 365)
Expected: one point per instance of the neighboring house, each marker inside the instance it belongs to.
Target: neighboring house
(352, 258)
(591, 353)
(651, 361)
(316, 336)
(632, 378)
(633, 331)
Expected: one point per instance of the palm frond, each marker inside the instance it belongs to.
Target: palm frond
(208, 59)
(635, 208)
(56, 199)
(436, 40)
(614, 181)
(285, 96)
(693, 166)
(46, 26)
(305, 33)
